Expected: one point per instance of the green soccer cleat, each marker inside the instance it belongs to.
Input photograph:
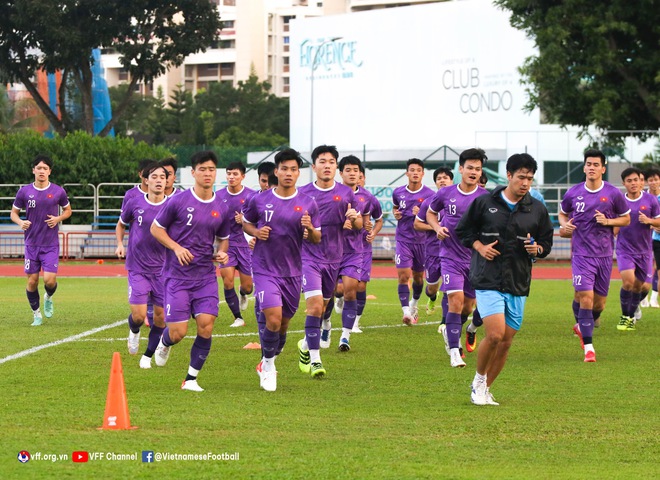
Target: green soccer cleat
(37, 320)
(303, 358)
(48, 306)
(430, 307)
(624, 322)
(317, 370)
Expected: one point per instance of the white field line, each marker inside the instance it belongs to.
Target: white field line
(72, 338)
(81, 337)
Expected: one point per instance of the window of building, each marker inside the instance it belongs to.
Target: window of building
(227, 69)
(227, 44)
(208, 70)
(123, 75)
(190, 71)
(229, 3)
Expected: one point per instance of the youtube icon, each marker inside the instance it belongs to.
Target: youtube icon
(80, 457)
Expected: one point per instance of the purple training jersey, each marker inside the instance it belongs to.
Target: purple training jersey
(406, 201)
(376, 214)
(590, 239)
(332, 204)
(134, 192)
(636, 238)
(235, 203)
(353, 238)
(452, 202)
(279, 255)
(432, 242)
(38, 204)
(194, 224)
(144, 254)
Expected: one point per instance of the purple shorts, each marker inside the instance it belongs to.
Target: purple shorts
(37, 258)
(592, 274)
(319, 279)
(433, 269)
(365, 274)
(240, 258)
(186, 298)
(456, 277)
(642, 264)
(351, 265)
(282, 292)
(410, 255)
(144, 288)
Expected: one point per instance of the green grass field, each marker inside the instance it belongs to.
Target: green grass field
(390, 408)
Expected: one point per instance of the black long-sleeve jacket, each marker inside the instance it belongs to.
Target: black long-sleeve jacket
(488, 219)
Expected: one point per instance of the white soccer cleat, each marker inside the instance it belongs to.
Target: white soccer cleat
(325, 338)
(479, 391)
(36, 318)
(269, 380)
(162, 354)
(490, 400)
(356, 329)
(654, 304)
(145, 362)
(339, 305)
(443, 331)
(414, 313)
(638, 314)
(191, 385)
(455, 358)
(645, 303)
(243, 302)
(133, 342)
(239, 322)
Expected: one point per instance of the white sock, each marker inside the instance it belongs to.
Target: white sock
(304, 345)
(346, 333)
(326, 325)
(456, 351)
(357, 321)
(654, 296)
(471, 328)
(413, 303)
(406, 310)
(268, 364)
(193, 372)
(315, 356)
(588, 347)
(36, 311)
(47, 297)
(478, 378)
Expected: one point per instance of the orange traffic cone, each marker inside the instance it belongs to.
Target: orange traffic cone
(116, 405)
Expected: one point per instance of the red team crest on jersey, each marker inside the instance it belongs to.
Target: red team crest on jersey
(215, 214)
(603, 199)
(297, 208)
(50, 195)
(420, 200)
(643, 207)
(336, 198)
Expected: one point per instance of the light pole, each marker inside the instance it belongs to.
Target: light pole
(311, 99)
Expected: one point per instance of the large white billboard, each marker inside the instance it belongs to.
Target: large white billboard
(411, 77)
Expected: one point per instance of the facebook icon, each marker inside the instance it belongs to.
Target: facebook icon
(147, 456)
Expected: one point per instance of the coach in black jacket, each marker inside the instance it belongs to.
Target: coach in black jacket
(507, 230)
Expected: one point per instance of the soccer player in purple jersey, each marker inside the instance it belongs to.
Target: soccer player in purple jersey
(506, 230)
(141, 189)
(634, 250)
(652, 176)
(170, 164)
(188, 226)
(350, 270)
(279, 218)
(452, 202)
(589, 212)
(371, 226)
(41, 201)
(443, 177)
(265, 170)
(240, 256)
(321, 261)
(144, 261)
(410, 244)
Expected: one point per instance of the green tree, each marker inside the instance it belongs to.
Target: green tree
(149, 35)
(598, 63)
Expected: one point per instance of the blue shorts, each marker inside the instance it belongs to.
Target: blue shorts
(492, 302)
